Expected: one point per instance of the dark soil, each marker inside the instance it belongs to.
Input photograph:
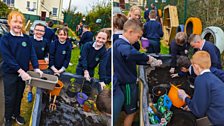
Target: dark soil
(43, 78)
(162, 76)
(57, 85)
(69, 113)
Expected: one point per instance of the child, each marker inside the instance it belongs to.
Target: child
(49, 33)
(92, 54)
(118, 23)
(125, 59)
(153, 32)
(17, 51)
(87, 36)
(186, 69)
(198, 43)
(178, 47)
(60, 52)
(103, 104)
(135, 13)
(41, 48)
(208, 96)
(106, 63)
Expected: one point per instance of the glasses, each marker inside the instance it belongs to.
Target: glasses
(39, 30)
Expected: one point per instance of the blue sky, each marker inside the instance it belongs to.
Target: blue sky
(82, 5)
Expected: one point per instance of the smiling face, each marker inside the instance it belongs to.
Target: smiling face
(101, 39)
(62, 35)
(16, 24)
(136, 14)
(39, 31)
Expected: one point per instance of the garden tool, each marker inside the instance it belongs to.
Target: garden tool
(55, 93)
(53, 106)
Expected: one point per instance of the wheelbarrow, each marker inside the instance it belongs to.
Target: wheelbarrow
(55, 93)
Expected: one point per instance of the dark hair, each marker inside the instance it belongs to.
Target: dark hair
(183, 61)
(39, 24)
(86, 26)
(119, 20)
(50, 23)
(65, 30)
(103, 101)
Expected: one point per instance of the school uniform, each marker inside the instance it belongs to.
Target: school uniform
(153, 32)
(90, 58)
(175, 51)
(136, 45)
(208, 98)
(41, 47)
(146, 15)
(86, 37)
(106, 66)
(60, 54)
(49, 35)
(125, 59)
(214, 54)
(17, 52)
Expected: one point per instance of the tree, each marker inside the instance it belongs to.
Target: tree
(4, 11)
(101, 11)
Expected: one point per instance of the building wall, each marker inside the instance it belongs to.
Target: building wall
(36, 7)
(22, 6)
(48, 6)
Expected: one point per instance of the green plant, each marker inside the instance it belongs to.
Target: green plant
(72, 88)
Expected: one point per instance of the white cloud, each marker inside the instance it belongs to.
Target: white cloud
(83, 6)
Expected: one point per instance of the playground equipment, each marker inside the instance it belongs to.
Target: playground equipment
(170, 23)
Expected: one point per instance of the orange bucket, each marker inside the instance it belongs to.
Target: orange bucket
(173, 95)
(57, 89)
(42, 65)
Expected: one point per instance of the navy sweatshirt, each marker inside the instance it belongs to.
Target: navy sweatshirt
(86, 37)
(90, 58)
(176, 50)
(106, 65)
(41, 48)
(60, 54)
(125, 59)
(208, 98)
(17, 52)
(153, 30)
(49, 35)
(214, 54)
(146, 15)
(136, 45)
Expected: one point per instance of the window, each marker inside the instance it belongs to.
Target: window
(9, 2)
(55, 10)
(34, 5)
(28, 4)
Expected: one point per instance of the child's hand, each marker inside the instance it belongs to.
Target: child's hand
(61, 70)
(156, 63)
(86, 75)
(186, 108)
(38, 71)
(25, 76)
(46, 60)
(174, 75)
(172, 70)
(54, 69)
(181, 94)
(56, 74)
(102, 84)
